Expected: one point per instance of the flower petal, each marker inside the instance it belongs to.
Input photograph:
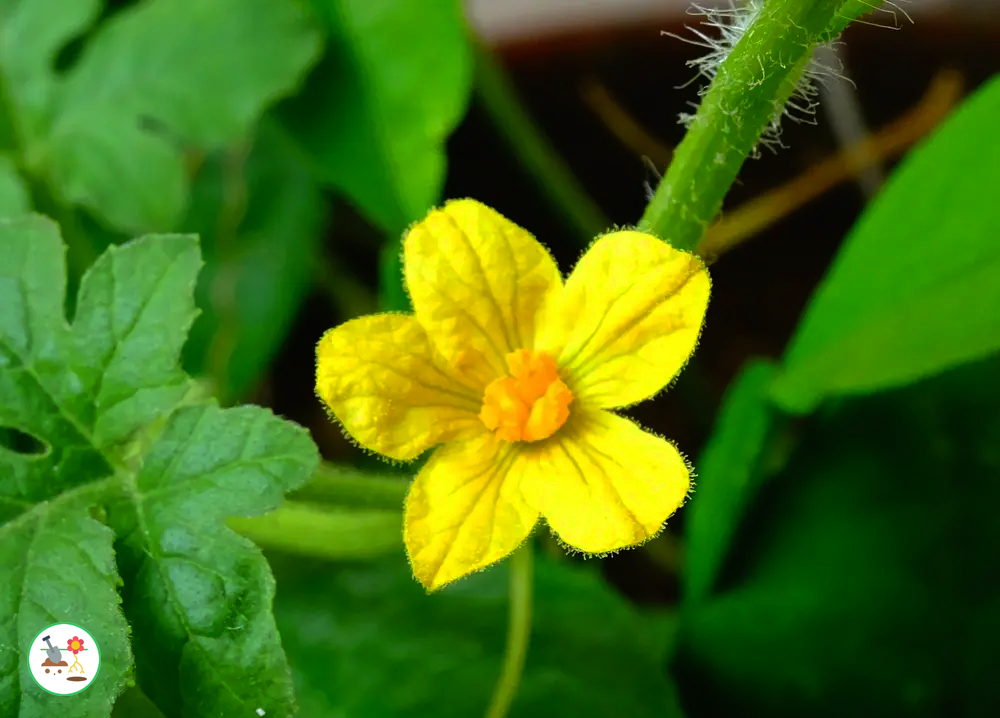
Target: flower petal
(477, 280)
(627, 320)
(464, 511)
(602, 483)
(380, 377)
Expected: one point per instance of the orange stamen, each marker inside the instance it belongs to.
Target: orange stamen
(530, 404)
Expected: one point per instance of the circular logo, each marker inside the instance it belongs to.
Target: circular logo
(64, 659)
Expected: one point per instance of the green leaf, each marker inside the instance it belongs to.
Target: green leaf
(198, 596)
(261, 227)
(376, 112)
(93, 422)
(132, 316)
(57, 561)
(866, 575)
(158, 78)
(31, 34)
(86, 390)
(57, 566)
(13, 194)
(916, 287)
(368, 641)
(730, 470)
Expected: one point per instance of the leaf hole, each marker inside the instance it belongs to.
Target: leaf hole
(21, 442)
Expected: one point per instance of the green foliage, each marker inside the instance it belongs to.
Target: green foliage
(865, 579)
(124, 447)
(57, 565)
(393, 85)
(197, 595)
(590, 653)
(914, 288)
(13, 194)
(159, 78)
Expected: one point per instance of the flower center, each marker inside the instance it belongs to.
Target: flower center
(530, 404)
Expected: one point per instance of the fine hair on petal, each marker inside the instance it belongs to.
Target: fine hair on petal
(343, 429)
(574, 551)
(470, 572)
(701, 328)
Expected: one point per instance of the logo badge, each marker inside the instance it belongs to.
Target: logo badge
(64, 659)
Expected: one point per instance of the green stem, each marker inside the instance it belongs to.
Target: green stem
(518, 632)
(749, 89)
(534, 151)
(346, 486)
(322, 531)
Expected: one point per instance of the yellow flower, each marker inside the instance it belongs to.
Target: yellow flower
(512, 372)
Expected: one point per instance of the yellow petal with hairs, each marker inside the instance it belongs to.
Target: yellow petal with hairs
(476, 280)
(380, 377)
(603, 483)
(627, 320)
(464, 511)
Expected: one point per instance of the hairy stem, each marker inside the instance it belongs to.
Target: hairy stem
(748, 91)
(762, 211)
